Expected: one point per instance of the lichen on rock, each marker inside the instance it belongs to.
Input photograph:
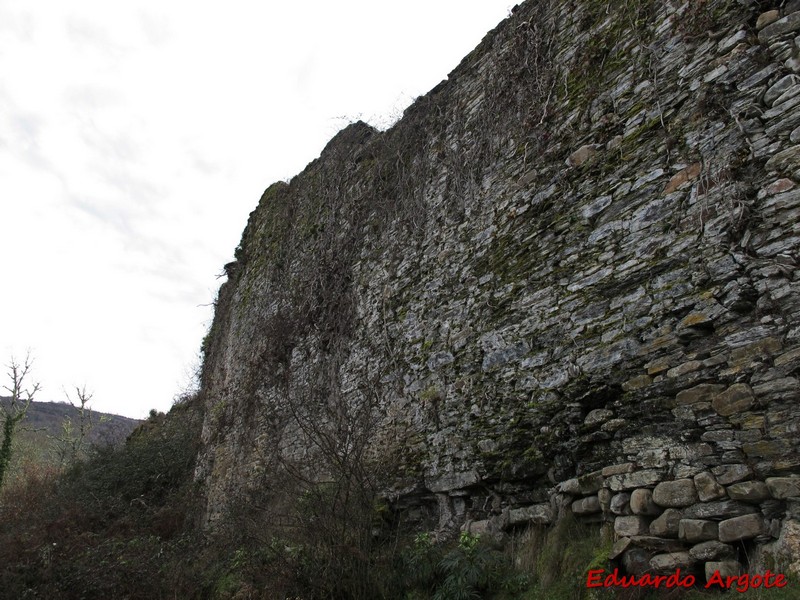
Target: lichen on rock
(569, 271)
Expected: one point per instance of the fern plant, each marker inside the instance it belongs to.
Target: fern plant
(469, 570)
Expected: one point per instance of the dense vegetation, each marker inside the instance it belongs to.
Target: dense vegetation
(48, 427)
(111, 526)
(125, 524)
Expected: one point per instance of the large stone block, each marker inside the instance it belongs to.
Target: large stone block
(620, 504)
(741, 528)
(767, 18)
(749, 491)
(707, 487)
(657, 544)
(642, 503)
(671, 562)
(784, 487)
(756, 351)
(675, 494)
(785, 26)
(619, 547)
(786, 160)
(619, 469)
(569, 486)
(452, 481)
(631, 525)
(586, 506)
(638, 479)
(699, 393)
(597, 417)
(717, 511)
(737, 398)
(683, 176)
(581, 155)
(712, 550)
(727, 474)
(668, 524)
(697, 530)
(538, 514)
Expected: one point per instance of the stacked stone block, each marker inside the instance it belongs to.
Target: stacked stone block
(670, 526)
(606, 300)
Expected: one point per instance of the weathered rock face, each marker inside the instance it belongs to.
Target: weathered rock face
(567, 274)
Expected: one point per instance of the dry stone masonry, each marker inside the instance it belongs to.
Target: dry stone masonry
(565, 282)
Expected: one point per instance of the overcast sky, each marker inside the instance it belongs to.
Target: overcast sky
(136, 137)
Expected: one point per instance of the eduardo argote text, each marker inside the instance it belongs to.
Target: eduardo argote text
(597, 578)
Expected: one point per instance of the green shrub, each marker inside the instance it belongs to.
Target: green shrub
(117, 525)
(471, 569)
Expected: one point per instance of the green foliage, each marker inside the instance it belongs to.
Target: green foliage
(53, 434)
(470, 569)
(119, 524)
(143, 472)
(420, 563)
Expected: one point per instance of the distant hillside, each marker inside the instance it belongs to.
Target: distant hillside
(44, 423)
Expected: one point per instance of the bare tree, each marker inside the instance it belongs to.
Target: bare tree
(72, 440)
(14, 409)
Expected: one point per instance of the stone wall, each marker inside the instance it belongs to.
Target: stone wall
(565, 280)
(714, 521)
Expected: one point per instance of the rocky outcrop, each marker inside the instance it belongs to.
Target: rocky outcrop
(565, 281)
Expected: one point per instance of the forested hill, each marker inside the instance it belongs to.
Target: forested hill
(47, 419)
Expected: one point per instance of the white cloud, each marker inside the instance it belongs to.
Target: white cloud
(135, 139)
